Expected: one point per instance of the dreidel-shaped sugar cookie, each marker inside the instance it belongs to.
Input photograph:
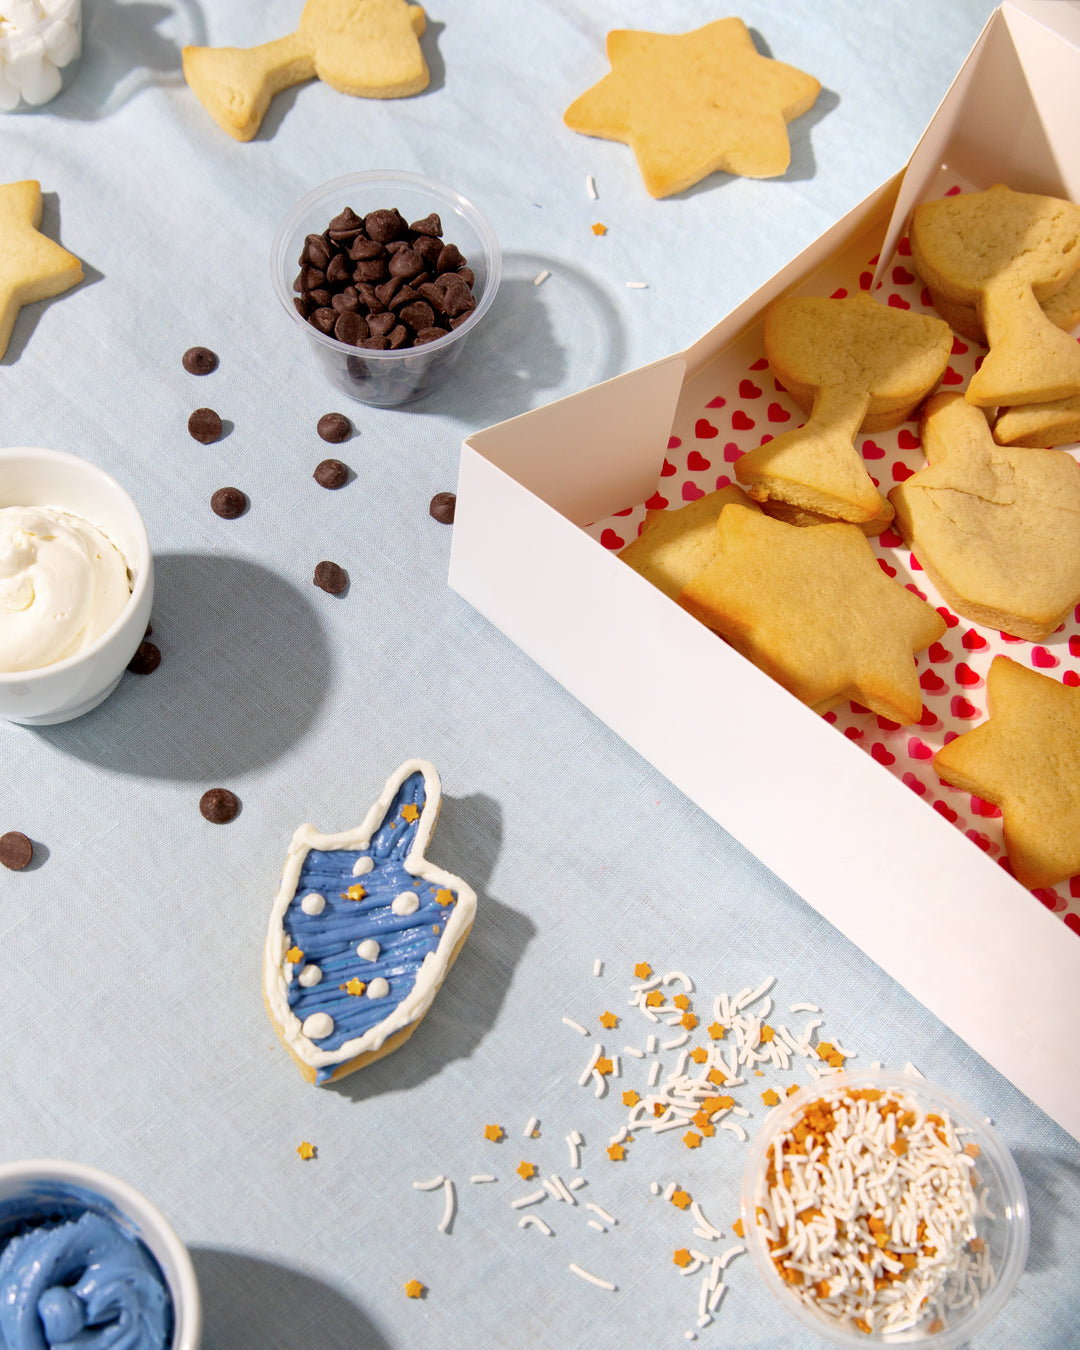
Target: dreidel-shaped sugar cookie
(996, 529)
(369, 48)
(1005, 252)
(854, 365)
(32, 266)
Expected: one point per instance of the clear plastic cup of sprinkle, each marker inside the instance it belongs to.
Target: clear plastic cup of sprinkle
(987, 1268)
(387, 379)
(40, 45)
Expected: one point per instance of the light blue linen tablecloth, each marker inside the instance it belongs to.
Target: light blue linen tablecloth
(133, 1032)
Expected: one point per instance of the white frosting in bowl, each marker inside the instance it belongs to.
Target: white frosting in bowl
(63, 583)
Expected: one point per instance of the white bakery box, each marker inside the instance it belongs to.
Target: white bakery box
(892, 874)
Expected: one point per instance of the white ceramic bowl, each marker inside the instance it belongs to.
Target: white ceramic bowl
(1003, 1226)
(44, 1187)
(71, 687)
(387, 379)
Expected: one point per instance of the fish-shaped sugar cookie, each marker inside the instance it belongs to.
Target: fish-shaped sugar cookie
(363, 931)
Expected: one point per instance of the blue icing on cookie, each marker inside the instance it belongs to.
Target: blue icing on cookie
(330, 938)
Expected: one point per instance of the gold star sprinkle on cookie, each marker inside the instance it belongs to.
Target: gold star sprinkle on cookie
(294, 956)
(32, 266)
(410, 812)
(355, 892)
(444, 897)
(355, 987)
(1025, 759)
(689, 104)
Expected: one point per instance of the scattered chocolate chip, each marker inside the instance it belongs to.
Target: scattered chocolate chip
(219, 805)
(205, 425)
(331, 473)
(200, 361)
(442, 508)
(228, 503)
(146, 660)
(335, 428)
(331, 578)
(16, 851)
(430, 225)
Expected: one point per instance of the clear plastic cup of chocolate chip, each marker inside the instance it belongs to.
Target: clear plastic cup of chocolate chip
(386, 273)
(40, 45)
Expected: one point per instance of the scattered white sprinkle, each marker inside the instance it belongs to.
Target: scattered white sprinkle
(705, 1321)
(634, 1051)
(647, 984)
(598, 1050)
(576, 1183)
(575, 1026)
(654, 1186)
(527, 1132)
(551, 1189)
(590, 187)
(804, 1007)
(673, 975)
(747, 997)
(912, 1071)
(572, 1145)
(690, 1336)
(601, 1082)
(534, 1221)
(448, 1212)
(650, 1046)
(598, 1226)
(709, 1230)
(480, 1177)
(848, 1054)
(618, 1138)
(616, 1067)
(432, 1185)
(637, 285)
(654, 1073)
(735, 1129)
(670, 1189)
(541, 277)
(593, 1279)
(730, 1255)
(598, 967)
(601, 1214)
(676, 1041)
(531, 1199)
(560, 1186)
(716, 1295)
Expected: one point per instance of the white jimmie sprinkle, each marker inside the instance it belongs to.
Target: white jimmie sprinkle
(534, 1221)
(448, 1212)
(481, 1177)
(531, 1199)
(598, 967)
(637, 285)
(575, 1026)
(530, 1128)
(593, 1279)
(541, 277)
(432, 1185)
(601, 1214)
(590, 187)
(586, 1074)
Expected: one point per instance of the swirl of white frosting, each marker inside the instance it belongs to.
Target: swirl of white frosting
(62, 584)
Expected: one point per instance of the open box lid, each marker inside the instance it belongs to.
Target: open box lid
(940, 916)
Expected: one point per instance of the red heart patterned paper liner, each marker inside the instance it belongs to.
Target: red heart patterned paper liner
(952, 673)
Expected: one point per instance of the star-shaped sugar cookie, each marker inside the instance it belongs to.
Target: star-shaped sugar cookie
(1026, 759)
(32, 267)
(689, 104)
(812, 608)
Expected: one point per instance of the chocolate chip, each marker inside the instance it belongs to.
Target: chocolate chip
(374, 344)
(319, 299)
(388, 290)
(331, 578)
(457, 297)
(429, 249)
(370, 297)
(146, 660)
(323, 319)
(219, 805)
(398, 337)
(373, 270)
(205, 425)
(450, 259)
(363, 250)
(228, 503)
(311, 278)
(350, 328)
(200, 361)
(16, 851)
(426, 335)
(317, 252)
(339, 270)
(442, 508)
(331, 473)
(406, 263)
(347, 225)
(302, 305)
(468, 276)
(385, 225)
(404, 296)
(381, 324)
(347, 301)
(432, 294)
(417, 315)
(429, 225)
(333, 427)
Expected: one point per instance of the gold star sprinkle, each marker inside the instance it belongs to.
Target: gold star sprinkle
(688, 1020)
(294, 956)
(681, 1002)
(414, 1289)
(32, 266)
(616, 1152)
(717, 1076)
(444, 897)
(682, 1257)
(355, 987)
(410, 812)
(770, 1097)
(604, 1065)
(599, 229)
(680, 1199)
(493, 1132)
(608, 1020)
(630, 1098)
(699, 1054)
(642, 970)
(525, 1170)
(767, 1032)
(306, 1150)
(792, 1088)
(356, 892)
(716, 1031)
(691, 1140)
(654, 998)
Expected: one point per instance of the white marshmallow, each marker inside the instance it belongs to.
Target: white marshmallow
(9, 95)
(22, 13)
(45, 85)
(61, 41)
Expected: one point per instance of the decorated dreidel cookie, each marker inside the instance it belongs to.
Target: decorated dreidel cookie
(853, 364)
(369, 48)
(993, 527)
(1005, 252)
(362, 932)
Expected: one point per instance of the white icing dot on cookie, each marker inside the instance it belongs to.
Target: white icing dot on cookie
(377, 988)
(318, 1026)
(408, 902)
(362, 867)
(309, 976)
(313, 903)
(368, 950)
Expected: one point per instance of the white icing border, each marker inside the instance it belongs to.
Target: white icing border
(434, 966)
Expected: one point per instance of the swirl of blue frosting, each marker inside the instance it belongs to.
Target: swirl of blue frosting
(83, 1284)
